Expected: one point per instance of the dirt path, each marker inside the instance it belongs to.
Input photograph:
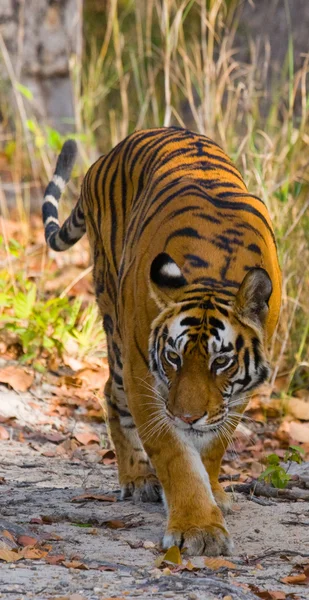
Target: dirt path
(110, 548)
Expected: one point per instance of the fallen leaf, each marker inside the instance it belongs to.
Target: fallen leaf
(75, 564)
(26, 540)
(268, 594)
(9, 556)
(298, 408)
(301, 578)
(172, 555)
(33, 553)
(85, 438)
(101, 497)
(114, 524)
(19, 379)
(95, 378)
(47, 519)
(106, 568)
(217, 563)
(299, 431)
(108, 457)
(8, 535)
(55, 559)
(4, 434)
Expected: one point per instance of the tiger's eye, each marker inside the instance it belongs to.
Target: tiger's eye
(173, 357)
(221, 361)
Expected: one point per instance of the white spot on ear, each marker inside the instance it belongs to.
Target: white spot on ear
(171, 270)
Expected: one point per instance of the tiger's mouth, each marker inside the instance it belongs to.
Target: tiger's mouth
(200, 425)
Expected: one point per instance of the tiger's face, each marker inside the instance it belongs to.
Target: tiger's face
(207, 355)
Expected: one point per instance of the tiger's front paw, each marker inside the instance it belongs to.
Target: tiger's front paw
(146, 488)
(209, 540)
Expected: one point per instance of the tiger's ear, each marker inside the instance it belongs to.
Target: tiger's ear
(253, 295)
(166, 278)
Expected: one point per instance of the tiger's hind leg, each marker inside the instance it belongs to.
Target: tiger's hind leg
(136, 475)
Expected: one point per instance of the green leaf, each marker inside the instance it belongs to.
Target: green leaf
(273, 459)
(298, 449)
(280, 478)
(5, 299)
(24, 91)
(32, 126)
(23, 303)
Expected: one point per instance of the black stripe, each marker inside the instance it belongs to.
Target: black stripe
(53, 190)
(49, 210)
(254, 248)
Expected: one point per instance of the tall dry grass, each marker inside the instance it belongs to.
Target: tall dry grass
(165, 62)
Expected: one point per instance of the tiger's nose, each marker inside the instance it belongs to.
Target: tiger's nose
(191, 418)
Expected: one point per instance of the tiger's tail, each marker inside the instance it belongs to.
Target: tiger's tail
(60, 238)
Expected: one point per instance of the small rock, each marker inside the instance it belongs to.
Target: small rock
(192, 596)
(168, 594)
(148, 544)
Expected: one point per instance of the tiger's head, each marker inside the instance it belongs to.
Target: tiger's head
(207, 353)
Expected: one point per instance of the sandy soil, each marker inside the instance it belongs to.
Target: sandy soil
(36, 499)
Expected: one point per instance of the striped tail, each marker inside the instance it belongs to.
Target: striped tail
(60, 238)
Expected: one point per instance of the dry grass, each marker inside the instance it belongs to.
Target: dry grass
(174, 62)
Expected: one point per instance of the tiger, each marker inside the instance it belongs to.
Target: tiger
(188, 284)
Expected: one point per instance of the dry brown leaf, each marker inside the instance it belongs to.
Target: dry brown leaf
(4, 434)
(100, 497)
(300, 578)
(27, 540)
(55, 559)
(8, 535)
(268, 594)
(19, 379)
(217, 563)
(33, 553)
(298, 408)
(108, 457)
(95, 378)
(75, 564)
(299, 431)
(114, 524)
(9, 556)
(85, 438)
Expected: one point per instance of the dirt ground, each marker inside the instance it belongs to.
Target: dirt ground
(110, 549)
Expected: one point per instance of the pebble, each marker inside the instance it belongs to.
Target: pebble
(168, 594)
(192, 596)
(97, 590)
(148, 544)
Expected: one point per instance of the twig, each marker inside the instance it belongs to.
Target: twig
(260, 501)
(229, 477)
(270, 553)
(76, 280)
(260, 489)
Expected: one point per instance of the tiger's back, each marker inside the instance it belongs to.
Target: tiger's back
(187, 280)
(171, 190)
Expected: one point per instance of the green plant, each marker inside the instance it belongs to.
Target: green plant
(276, 474)
(38, 324)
